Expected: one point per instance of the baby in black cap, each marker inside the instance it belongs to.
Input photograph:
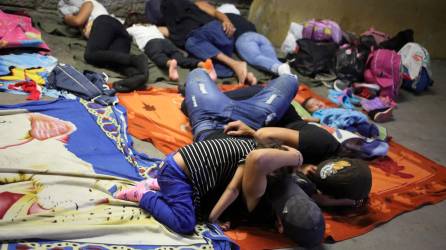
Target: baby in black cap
(337, 182)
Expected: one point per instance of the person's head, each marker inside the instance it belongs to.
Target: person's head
(134, 18)
(302, 219)
(343, 178)
(312, 104)
(153, 12)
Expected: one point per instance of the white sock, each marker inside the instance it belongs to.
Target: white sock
(283, 69)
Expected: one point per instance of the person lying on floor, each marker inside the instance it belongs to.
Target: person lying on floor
(161, 51)
(204, 32)
(255, 48)
(108, 42)
(347, 119)
(335, 181)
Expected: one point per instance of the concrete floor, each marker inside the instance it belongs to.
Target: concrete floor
(418, 124)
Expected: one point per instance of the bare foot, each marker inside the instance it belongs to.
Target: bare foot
(251, 79)
(225, 226)
(241, 71)
(173, 72)
(209, 67)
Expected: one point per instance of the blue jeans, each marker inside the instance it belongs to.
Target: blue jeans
(210, 109)
(258, 51)
(209, 40)
(173, 204)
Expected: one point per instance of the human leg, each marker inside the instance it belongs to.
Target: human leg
(255, 49)
(269, 105)
(210, 41)
(207, 107)
(99, 50)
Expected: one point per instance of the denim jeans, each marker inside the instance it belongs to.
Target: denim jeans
(209, 40)
(210, 109)
(258, 51)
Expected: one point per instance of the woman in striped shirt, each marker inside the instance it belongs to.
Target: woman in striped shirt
(221, 168)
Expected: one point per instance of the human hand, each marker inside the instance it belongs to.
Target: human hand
(228, 27)
(238, 128)
(137, 192)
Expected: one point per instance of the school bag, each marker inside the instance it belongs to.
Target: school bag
(383, 67)
(350, 64)
(88, 85)
(313, 57)
(322, 31)
(416, 64)
(378, 36)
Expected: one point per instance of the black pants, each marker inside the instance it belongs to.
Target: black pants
(161, 50)
(109, 46)
(109, 43)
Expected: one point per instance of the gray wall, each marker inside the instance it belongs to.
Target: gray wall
(425, 17)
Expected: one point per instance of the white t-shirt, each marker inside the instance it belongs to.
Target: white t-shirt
(98, 9)
(144, 33)
(71, 7)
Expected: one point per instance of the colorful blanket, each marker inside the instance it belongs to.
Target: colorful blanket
(402, 181)
(60, 164)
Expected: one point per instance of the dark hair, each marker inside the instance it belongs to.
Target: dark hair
(134, 17)
(306, 101)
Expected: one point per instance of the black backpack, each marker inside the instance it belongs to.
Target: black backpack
(313, 57)
(350, 64)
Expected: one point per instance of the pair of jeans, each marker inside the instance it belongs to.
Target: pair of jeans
(208, 41)
(210, 109)
(258, 51)
(173, 204)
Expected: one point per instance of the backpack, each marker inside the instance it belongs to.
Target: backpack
(416, 62)
(350, 64)
(383, 67)
(322, 31)
(66, 77)
(378, 36)
(313, 58)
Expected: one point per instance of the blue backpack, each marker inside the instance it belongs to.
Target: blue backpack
(419, 84)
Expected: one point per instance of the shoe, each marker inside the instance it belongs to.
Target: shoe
(339, 85)
(373, 104)
(383, 116)
(284, 69)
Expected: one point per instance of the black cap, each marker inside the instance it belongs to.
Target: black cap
(302, 219)
(343, 178)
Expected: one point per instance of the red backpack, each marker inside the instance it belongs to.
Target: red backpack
(384, 68)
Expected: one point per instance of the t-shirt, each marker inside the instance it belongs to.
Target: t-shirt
(71, 7)
(212, 165)
(241, 24)
(142, 34)
(182, 17)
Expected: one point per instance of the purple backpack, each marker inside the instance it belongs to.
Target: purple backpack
(383, 67)
(322, 31)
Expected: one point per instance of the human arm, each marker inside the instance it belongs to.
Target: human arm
(229, 195)
(80, 19)
(265, 135)
(327, 201)
(311, 119)
(228, 27)
(164, 30)
(260, 163)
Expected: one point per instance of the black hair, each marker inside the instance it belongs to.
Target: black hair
(134, 17)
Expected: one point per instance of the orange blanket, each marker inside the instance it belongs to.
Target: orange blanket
(402, 181)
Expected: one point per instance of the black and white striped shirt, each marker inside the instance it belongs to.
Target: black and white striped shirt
(212, 164)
